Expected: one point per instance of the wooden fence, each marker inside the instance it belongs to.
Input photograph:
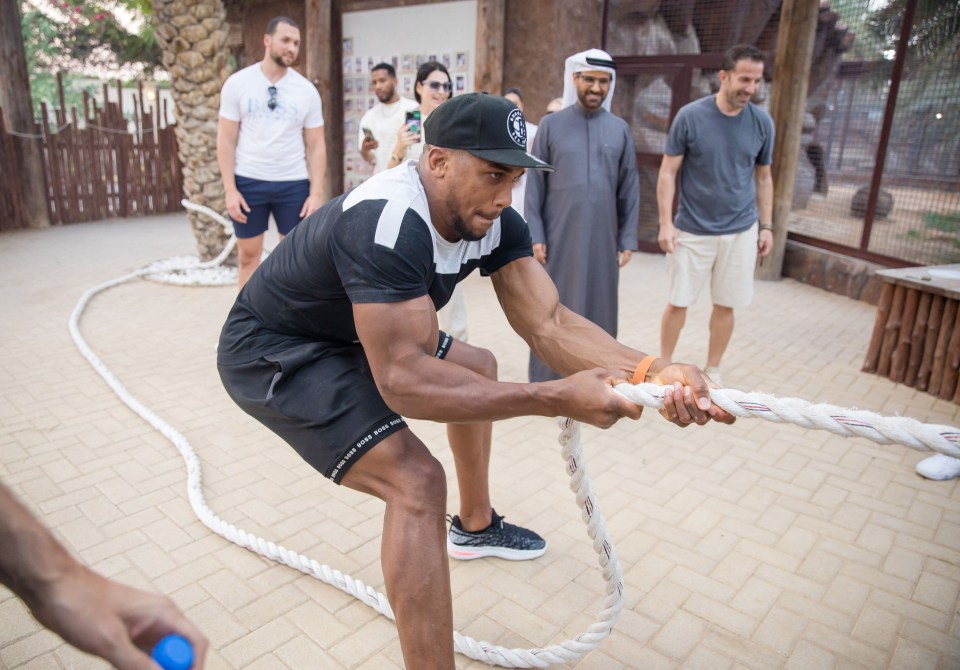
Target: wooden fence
(96, 166)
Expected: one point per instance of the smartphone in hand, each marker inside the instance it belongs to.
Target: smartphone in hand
(367, 134)
(413, 121)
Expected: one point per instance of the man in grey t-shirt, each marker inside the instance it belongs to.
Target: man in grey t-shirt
(722, 147)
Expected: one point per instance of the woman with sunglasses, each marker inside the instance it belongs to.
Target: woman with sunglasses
(433, 87)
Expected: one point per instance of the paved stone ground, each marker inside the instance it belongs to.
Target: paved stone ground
(751, 546)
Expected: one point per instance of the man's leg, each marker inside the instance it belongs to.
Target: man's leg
(401, 471)
(471, 443)
(731, 287)
(250, 234)
(249, 251)
(670, 326)
(471, 446)
(688, 267)
(286, 201)
(721, 328)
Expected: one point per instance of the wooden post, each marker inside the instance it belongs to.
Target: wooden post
(18, 116)
(323, 66)
(916, 339)
(930, 341)
(788, 103)
(891, 331)
(940, 354)
(901, 352)
(872, 358)
(948, 384)
(488, 72)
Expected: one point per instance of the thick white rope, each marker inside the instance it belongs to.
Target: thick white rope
(844, 422)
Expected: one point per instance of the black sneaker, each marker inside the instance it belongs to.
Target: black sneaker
(499, 539)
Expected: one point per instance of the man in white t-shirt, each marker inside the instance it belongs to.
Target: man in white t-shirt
(520, 188)
(270, 145)
(384, 119)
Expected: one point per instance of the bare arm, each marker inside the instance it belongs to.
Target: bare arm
(227, 134)
(316, 153)
(405, 139)
(400, 339)
(763, 176)
(666, 191)
(569, 343)
(97, 615)
(566, 341)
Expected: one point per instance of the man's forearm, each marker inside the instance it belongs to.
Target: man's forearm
(31, 558)
(765, 199)
(666, 191)
(573, 343)
(226, 155)
(317, 168)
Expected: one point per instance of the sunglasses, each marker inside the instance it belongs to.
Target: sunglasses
(437, 85)
(590, 81)
(272, 102)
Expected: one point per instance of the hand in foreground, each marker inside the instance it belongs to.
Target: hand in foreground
(588, 396)
(689, 399)
(116, 622)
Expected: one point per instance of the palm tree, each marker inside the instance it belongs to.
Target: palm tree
(193, 37)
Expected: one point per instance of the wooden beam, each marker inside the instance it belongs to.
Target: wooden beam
(788, 103)
(488, 71)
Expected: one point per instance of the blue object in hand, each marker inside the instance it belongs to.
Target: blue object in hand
(174, 652)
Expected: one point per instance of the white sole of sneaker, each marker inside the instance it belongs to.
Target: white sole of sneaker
(465, 554)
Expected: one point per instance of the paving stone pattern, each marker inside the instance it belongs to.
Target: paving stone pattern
(751, 546)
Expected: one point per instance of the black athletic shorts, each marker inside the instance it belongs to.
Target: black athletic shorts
(321, 399)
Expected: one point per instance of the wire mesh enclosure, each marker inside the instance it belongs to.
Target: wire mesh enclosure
(878, 175)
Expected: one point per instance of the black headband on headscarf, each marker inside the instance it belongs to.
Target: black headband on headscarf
(601, 62)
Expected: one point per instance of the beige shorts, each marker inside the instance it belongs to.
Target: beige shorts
(727, 260)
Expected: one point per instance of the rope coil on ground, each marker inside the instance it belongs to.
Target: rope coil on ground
(849, 423)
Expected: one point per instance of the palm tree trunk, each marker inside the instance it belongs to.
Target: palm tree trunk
(193, 37)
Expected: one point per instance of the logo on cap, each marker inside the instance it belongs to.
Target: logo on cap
(517, 128)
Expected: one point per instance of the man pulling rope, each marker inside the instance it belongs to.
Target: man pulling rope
(334, 340)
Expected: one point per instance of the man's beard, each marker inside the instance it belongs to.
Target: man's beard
(384, 97)
(583, 102)
(464, 233)
(278, 59)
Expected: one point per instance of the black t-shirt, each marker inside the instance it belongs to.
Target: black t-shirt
(374, 244)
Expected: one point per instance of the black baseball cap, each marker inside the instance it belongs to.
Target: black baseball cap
(487, 126)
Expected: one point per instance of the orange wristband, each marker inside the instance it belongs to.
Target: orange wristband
(641, 372)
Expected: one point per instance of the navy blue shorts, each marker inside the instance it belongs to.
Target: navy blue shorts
(319, 397)
(284, 199)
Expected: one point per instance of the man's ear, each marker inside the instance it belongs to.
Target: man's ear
(438, 161)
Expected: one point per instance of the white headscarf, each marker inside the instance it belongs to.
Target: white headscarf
(585, 61)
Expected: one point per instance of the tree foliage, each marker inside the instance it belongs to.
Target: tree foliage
(935, 36)
(98, 38)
